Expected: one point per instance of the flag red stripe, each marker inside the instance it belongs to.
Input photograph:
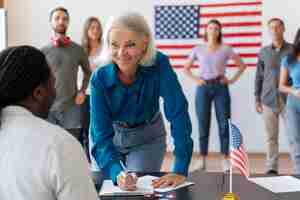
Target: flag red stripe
(232, 14)
(248, 55)
(242, 170)
(248, 65)
(235, 24)
(190, 46)
(241, 155)
(242, 55)
(234, 160)
(239, 166)
(229, 65)
(230, 4)
(178, 57)
(241, 34)
(171, 46)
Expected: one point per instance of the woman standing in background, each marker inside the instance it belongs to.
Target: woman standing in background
(291, 69)
(212, 58)
(92, 44)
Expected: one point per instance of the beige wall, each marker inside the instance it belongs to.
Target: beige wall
(28, 24)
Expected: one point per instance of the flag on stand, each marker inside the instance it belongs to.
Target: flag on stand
(238, 155)
(179, 26)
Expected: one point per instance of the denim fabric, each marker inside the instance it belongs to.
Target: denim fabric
(113, 102)
(70, 119)
(293, 129)
(205, 96)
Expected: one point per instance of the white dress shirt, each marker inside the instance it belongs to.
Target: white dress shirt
(40, 161)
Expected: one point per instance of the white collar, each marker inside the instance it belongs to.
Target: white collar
(13, 110)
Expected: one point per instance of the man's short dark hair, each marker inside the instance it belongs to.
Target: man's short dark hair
(59, 9)
(276, 19)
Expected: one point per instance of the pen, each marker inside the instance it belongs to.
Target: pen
(123, 166)
(126, 170)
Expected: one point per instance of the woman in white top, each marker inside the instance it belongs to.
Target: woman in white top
(91, 42)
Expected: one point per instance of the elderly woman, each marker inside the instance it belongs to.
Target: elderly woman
(126, 123)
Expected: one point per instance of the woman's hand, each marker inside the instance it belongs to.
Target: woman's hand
(127, 181)
(200, 82)
(259, 107)
(226, 81)
(172, 180)
(80, 98)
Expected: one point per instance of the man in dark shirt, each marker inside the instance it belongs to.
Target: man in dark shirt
(64, 57)
(269, 101)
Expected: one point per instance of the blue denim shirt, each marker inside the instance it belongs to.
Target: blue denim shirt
(293, 70)
(111, 102)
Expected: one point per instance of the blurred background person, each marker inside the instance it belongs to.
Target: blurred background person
(291, 69)
(212, 58)
(268, 100)
(65, 57)
(92, 43)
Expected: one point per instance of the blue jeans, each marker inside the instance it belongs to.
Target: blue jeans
(142, 148)
(85, 121)
(69, 119)
(293, 129)
(205, 95)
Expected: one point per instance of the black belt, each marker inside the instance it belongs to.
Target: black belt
(128, 125)
(216, 80)
(134, 125)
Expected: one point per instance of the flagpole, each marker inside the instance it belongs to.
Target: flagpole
(230, 195)
(230, 169)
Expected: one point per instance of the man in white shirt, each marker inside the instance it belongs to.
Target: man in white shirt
(38, 160)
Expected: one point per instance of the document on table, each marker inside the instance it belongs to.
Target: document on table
(144, 187)
(278, 184)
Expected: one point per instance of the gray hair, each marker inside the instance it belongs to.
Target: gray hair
(133, 22)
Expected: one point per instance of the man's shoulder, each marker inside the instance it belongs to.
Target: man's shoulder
(54, 134)
(76, 46)
(46, 47)
(266, 48)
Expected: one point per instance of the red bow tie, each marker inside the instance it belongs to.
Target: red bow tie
(60, 41)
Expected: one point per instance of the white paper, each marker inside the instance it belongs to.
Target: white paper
(144, 186)
(278, 184)
(168, 189)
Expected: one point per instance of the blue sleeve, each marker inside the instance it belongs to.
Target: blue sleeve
(176, 111)
(101, 130)
(284, 62)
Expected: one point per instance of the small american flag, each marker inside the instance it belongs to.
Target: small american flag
(179, 26)
(238, 155)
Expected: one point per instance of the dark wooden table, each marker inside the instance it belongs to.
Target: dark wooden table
(212, 186)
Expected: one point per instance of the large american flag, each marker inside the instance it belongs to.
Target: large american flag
(238, 155)
(180, 24)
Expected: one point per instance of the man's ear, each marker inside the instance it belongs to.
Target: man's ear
(39, 93)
